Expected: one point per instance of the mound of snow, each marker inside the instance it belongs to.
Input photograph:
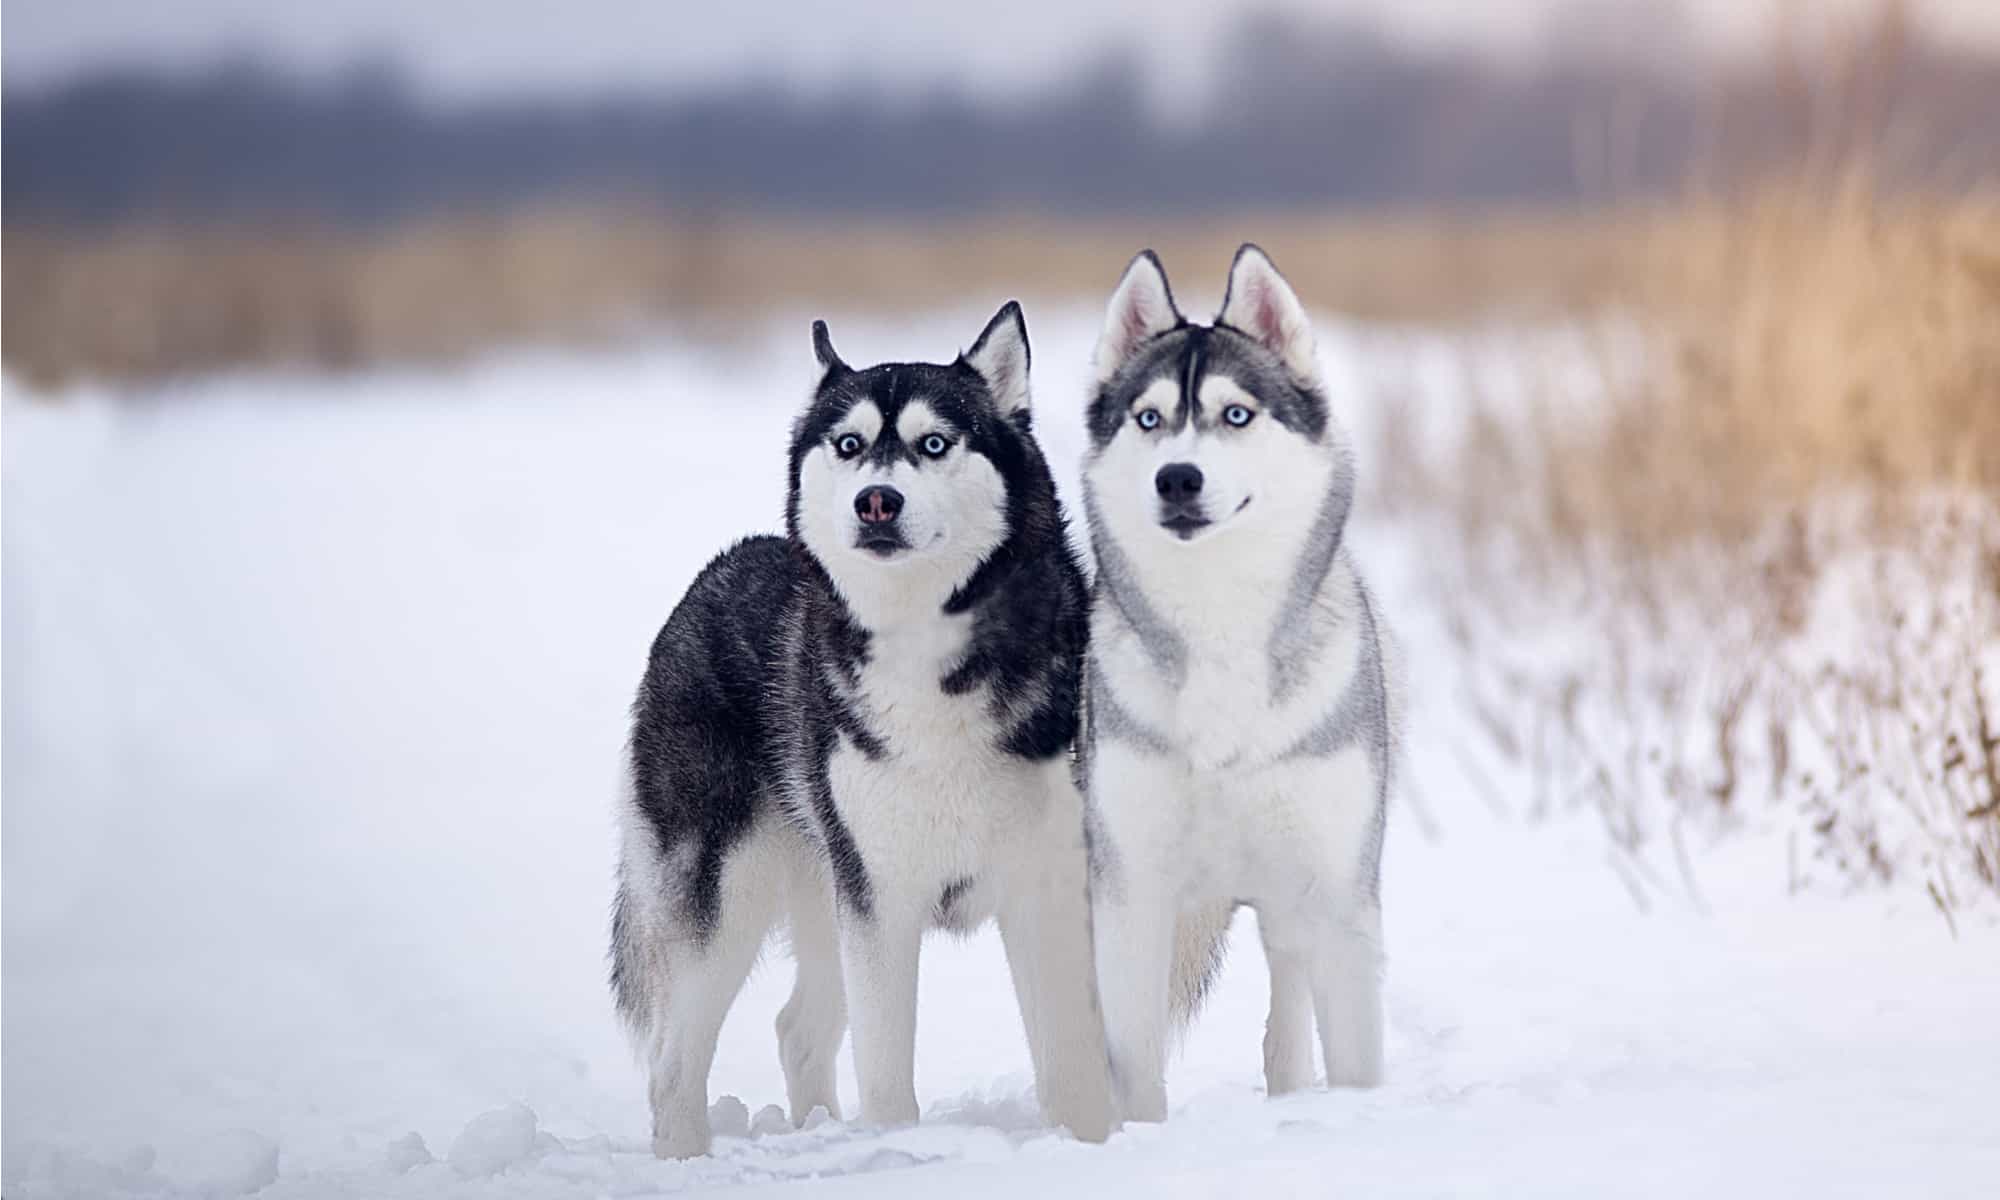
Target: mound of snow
(39, 1169)
(493, 1141)
(407, 1152)
(729, 1117)
(236, 1162)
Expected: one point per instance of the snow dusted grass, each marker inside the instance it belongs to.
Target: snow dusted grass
(315, 692)
(1824, 689)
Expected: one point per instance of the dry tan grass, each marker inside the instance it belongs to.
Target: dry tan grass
(139, 303)
(1805, 338)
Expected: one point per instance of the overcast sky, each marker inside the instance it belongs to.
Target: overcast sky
(463, 48)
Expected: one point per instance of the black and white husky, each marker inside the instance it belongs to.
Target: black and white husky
(1238, 736)
(864, 729)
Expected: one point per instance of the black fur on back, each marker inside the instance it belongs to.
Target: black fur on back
(749, 688)
(701, 726)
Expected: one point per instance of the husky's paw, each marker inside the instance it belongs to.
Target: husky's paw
(1087, 1119)
(1365, 1072)
(686, 1141)
(807, 1103)
(1090, 1127)
(889, 1112)
(1144, 1105)
(683, 1145)
(1284, 1078)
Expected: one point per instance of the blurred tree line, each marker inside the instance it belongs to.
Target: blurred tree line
(1303, 116)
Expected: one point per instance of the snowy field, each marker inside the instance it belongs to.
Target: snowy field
(315, 691)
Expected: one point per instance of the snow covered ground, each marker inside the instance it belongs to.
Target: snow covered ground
(314, 696)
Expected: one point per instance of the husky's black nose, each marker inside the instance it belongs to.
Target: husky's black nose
(1178, 482)
(878, 505)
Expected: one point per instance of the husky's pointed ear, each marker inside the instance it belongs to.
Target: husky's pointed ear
(1001, 357)
(1261, 304)
(829, 361)
(1141, 308)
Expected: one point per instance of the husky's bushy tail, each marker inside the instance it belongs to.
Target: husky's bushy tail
(1201, 942)
(634, 958)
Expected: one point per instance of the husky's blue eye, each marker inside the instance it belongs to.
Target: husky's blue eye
(847, 445)
(1237, 415)
(934, 445)
(1149, 418)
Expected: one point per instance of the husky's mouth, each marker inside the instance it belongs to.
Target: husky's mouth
(882, 543)
(1185, 523)
(886, 544)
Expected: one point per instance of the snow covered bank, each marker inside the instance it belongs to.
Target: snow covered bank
(314, 697)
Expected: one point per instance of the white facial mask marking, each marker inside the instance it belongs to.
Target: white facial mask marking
(954, 513)
(1246, 472)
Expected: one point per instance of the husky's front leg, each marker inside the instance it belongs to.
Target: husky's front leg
(1045, 926)
(880, 952)
(1288, 1035)
(1134, 928)
(1133, 909)
(1347, 994)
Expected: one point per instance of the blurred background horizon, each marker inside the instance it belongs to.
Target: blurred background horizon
(228, 185)
(372, 114)
(893, 46)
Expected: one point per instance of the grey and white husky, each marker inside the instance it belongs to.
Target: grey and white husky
(1238, 739)
(864, 730)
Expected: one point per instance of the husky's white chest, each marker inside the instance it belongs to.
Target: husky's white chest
(1207, 762)
(900, 694)
(1219, 705)
(937, 792)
